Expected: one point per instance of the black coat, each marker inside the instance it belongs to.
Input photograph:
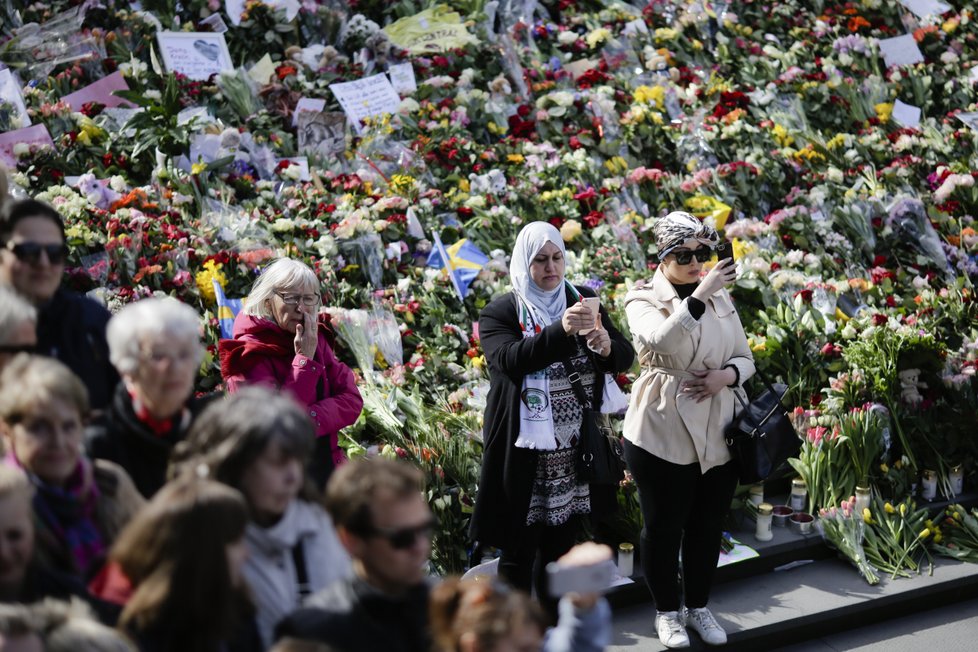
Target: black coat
(118, 436)
(71, 328)
(352, 616)
(506, 483)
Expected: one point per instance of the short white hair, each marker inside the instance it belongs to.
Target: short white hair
(282, 274)
(150, 319)
(14, 311)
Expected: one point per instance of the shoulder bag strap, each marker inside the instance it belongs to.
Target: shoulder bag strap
(597, 389)
(301, 574)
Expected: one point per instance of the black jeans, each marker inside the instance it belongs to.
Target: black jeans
(516, 562)
(682, 508)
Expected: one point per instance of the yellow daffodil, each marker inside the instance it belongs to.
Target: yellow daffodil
(206, 277)
(198, 168)
(781, 136)
(888, 508)
(650, 95)
(515, 158)
(597, 36)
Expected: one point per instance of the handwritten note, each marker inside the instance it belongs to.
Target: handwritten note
(198, 55)
(906, 114)
(10, 92)
(366, 97)
(101, 92)
(22, 139)
(307, 104)
(402, 78)
(900, 51)
(925, 8)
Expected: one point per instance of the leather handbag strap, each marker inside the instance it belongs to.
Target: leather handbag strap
(597, 388)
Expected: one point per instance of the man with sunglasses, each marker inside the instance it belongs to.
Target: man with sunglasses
(70, 326)
(383, 520)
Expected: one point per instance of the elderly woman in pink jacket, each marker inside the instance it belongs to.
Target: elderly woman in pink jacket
(694, 356)
(282, 340)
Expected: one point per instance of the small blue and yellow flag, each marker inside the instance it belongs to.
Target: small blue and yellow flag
(227, 310)
(464, 262)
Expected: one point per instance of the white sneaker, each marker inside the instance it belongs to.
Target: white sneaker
(672, 632)
(706, 626)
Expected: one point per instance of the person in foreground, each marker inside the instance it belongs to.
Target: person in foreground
(694, 355)
(259, 441)
(484, 616)
(182, 556)
(282, 340)
(384, 522)
(155, 346)
(79, 505)
(538, 338)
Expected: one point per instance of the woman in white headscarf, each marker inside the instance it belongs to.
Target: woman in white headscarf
(530, 501)
(694, 355)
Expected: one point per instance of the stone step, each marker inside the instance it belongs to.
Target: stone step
(795, 590)
(810, 601)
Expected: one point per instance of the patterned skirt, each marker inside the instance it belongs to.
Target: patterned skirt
(556, 494)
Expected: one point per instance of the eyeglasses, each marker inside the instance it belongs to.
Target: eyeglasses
(294, 299)
(685, 256)
(30, 252)
(405, 538)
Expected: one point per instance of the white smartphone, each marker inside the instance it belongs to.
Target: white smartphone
(594, 578)
(594, 305)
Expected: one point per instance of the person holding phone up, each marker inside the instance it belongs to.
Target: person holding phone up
(694, 355)
(534, 339)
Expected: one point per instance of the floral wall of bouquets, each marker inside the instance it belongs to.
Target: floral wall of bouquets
(853, 225)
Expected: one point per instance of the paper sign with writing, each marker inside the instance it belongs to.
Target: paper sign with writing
(322, 133)
(198, 55)
(906, 114)
(307, 104)
(366, 97)
(925, 8)
(101, 92)
(433, 30)
(900, 51)
(402, 78)
(29, 136)
(10, 92)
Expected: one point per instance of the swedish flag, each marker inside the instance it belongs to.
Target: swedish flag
(464, 262)
(227, 310)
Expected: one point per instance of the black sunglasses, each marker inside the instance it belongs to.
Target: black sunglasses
(406, 537)
(685, 256)
(30, 252)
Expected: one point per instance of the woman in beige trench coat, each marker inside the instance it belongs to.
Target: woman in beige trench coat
(694, 355)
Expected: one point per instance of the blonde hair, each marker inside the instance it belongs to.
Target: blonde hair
(283, 273)
(14, 482)
(32, 379)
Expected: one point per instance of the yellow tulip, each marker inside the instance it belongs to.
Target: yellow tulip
(923, 534)
(867, 516)
(889, 508)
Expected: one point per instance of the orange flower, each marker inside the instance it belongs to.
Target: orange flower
(921, 33)
(855, 24)
(144, 271)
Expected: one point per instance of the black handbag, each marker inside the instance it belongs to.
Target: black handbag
(600, 454)
(761, 438)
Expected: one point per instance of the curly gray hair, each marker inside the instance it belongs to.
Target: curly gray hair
(151, 319)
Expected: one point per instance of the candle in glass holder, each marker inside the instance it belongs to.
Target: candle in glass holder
(928, 484)
(798, 500)
(757, 494)
(764, 516)
(862, 499)
(956, 479)
(626, 559)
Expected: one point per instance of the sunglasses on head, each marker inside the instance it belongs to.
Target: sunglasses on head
(404, 538)
(685, 256)
(30, 252)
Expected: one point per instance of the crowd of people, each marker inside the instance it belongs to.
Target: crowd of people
(139, 515)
